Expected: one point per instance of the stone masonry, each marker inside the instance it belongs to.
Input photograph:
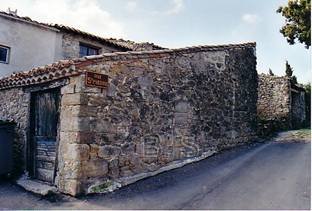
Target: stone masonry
(70, 46)
(281, 104)
(274, 104)
(298, 107)
(161, 110)
(14, 106)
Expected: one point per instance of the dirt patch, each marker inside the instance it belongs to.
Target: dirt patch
(302, 135)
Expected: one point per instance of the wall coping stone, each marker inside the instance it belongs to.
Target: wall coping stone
(73, 67)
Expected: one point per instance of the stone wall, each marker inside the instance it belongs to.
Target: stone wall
(70, 46)
(298, 108)
(281, 105)
(14, 106)
(307, 98)
(160, 111)
(274, 104)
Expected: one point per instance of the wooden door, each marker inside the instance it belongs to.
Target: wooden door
(44, 123)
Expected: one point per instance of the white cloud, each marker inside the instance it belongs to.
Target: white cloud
(131, 6)
(251, 18)
(178, 6)
(85, 15)
(175, 7)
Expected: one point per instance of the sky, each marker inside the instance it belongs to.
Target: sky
(180, 23)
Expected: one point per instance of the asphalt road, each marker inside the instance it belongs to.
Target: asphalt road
(273, 175)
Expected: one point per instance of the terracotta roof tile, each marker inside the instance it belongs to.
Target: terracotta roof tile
(121, 43)
(60, 69)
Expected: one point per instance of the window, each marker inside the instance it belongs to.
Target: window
(4, 54)
(86, 50)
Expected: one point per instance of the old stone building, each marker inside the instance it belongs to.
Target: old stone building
(99, 122)
(25, 43)
(281, 104)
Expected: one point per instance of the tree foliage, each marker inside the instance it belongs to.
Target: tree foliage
(289, 70)
(271, 72)
(298, 23)
(289, 73)
(307, 88)
(294, 80)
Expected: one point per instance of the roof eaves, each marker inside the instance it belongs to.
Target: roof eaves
(27, 20)
(88, 35)
(126, 45)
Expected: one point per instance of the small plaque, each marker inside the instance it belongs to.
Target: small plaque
(96, 80)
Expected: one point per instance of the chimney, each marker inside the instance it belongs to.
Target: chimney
(12, 12)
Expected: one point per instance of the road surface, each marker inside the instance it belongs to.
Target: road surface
(272, 175)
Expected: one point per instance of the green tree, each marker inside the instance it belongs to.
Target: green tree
(289, 73)
(271, 72)
(293, 79)
(307, 87)
(289, 70)
(298, 23)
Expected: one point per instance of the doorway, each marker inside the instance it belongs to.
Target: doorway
(42, 148)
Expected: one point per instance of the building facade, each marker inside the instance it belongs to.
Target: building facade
(112, 119)
(25, 44)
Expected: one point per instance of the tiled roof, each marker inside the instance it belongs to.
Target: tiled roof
(125, 44)
(66, 68)
(38, 75)
(27, 20)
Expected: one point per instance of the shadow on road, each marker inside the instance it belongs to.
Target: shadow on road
(271, 175)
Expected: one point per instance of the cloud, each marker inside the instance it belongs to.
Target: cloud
(251, 18)
(131, 6)
(177, 7)
(86, 15)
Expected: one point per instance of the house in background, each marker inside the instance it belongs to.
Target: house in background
(25, 43)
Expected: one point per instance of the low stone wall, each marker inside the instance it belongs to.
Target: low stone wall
(274, 104)
(160, 111)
